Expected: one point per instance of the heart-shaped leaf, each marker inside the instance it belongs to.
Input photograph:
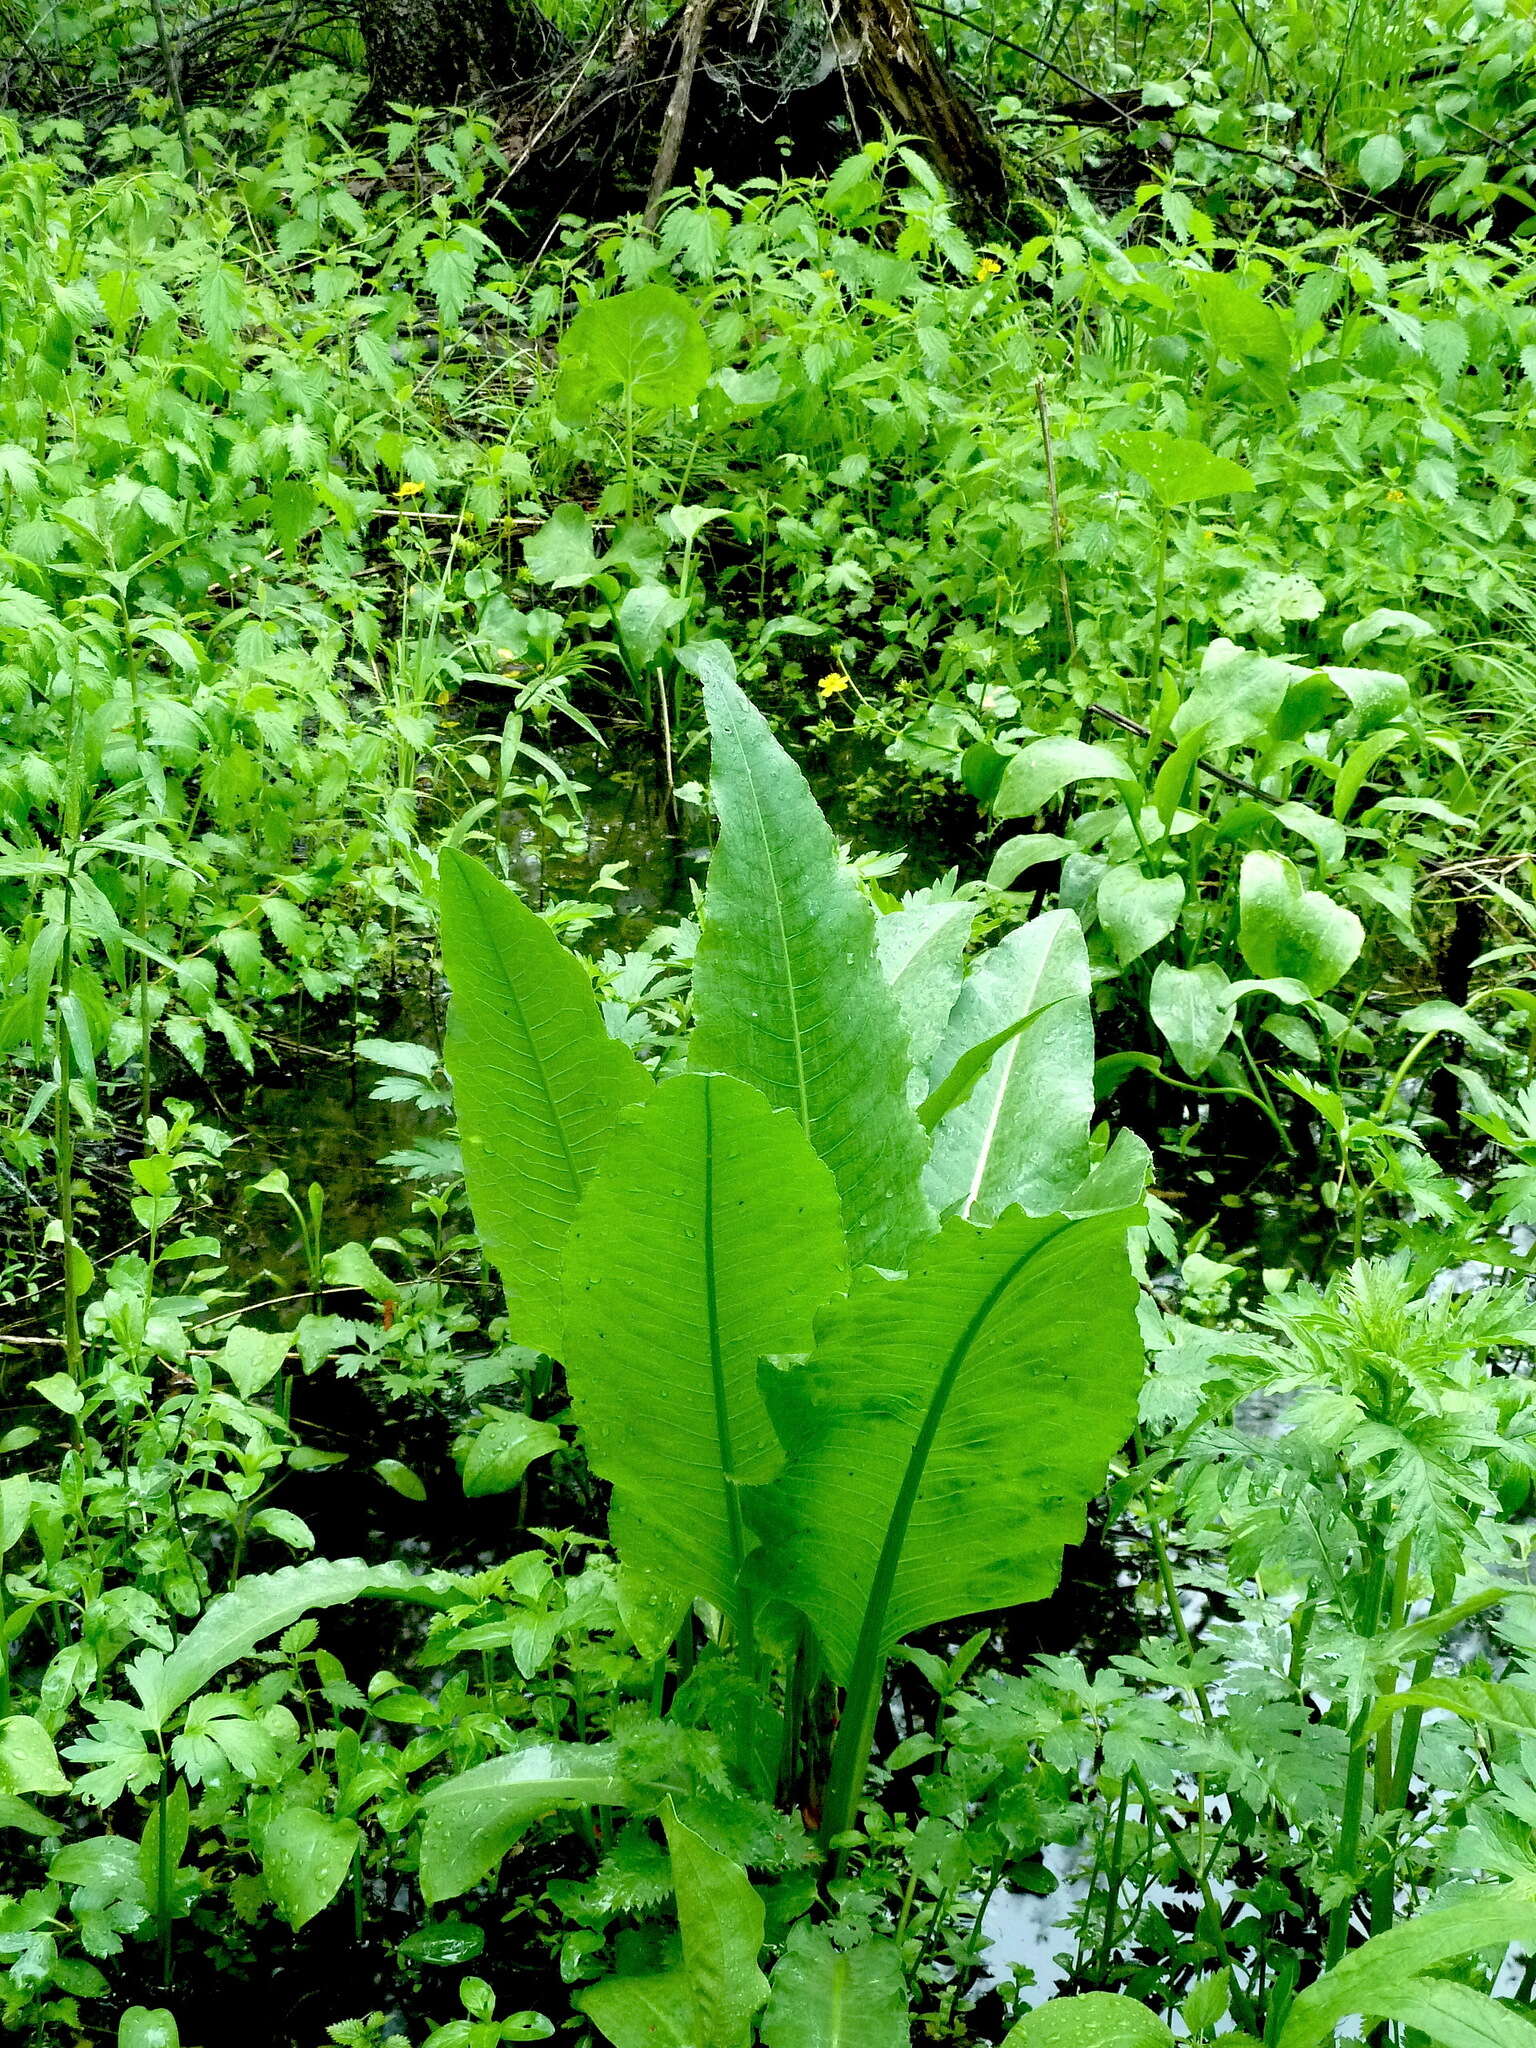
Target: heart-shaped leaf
(1288, 930)
(1187, 1007)
(1138, 911)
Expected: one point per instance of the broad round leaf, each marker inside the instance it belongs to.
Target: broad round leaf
(1286, 930)
(646, 349)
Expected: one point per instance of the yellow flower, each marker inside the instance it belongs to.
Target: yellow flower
(987, 268)
(1395, 497)
(410, 490)
(830, 276)
(831, 685)
(505, 654)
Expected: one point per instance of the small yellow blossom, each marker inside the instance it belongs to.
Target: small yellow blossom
(505, 654)
(1395, 497)
(411, 490)
(988, 268)
(1210, 533)
(830, 276)
(833, 684)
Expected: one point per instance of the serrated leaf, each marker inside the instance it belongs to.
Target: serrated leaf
(1176, 471)
(561, 552)
(537, 1082)
(645, 349)
(788, 990)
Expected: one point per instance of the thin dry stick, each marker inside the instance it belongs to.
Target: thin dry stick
(173, 85)
(675, 120)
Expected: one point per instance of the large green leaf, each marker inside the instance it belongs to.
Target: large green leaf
(651, 2009)
(232, 1626)
(474, 1819)
(709, 2001)
(1043, 769)
(536, 1080)
(644, 348)
(707, 1239)
(788, 989)
(1487, 1703)
(950, 1427)
(1022, 1133)
(1449, 2015)
(1286, 929)
(1178, 471)
(1095, 2019)
(922, 954)
(1377, 1973)
(828, 1997)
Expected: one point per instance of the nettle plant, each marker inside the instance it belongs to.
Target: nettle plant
(848, 1317)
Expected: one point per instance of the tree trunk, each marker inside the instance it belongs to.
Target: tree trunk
(901, 72)
(433, 53)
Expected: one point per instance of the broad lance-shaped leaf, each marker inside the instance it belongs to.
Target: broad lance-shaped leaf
(536, 1082)
(474, 1819)
(707, 1239)
(945, 1436)
(1021, 1135)
(788, 990)
(231, 1626)
(708, 2000)
(943, 1441)
(1372, 1979)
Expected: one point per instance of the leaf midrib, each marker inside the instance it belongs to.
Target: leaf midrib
(872, 1628)
(733, 1518)
(556, 1119)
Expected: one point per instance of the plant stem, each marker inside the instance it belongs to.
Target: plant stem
(1353, 1814)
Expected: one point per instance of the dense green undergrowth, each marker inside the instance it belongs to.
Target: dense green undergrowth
(1167, 570)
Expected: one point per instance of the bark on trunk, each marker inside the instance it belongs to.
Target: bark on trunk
(902, 74)
(429, 53)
